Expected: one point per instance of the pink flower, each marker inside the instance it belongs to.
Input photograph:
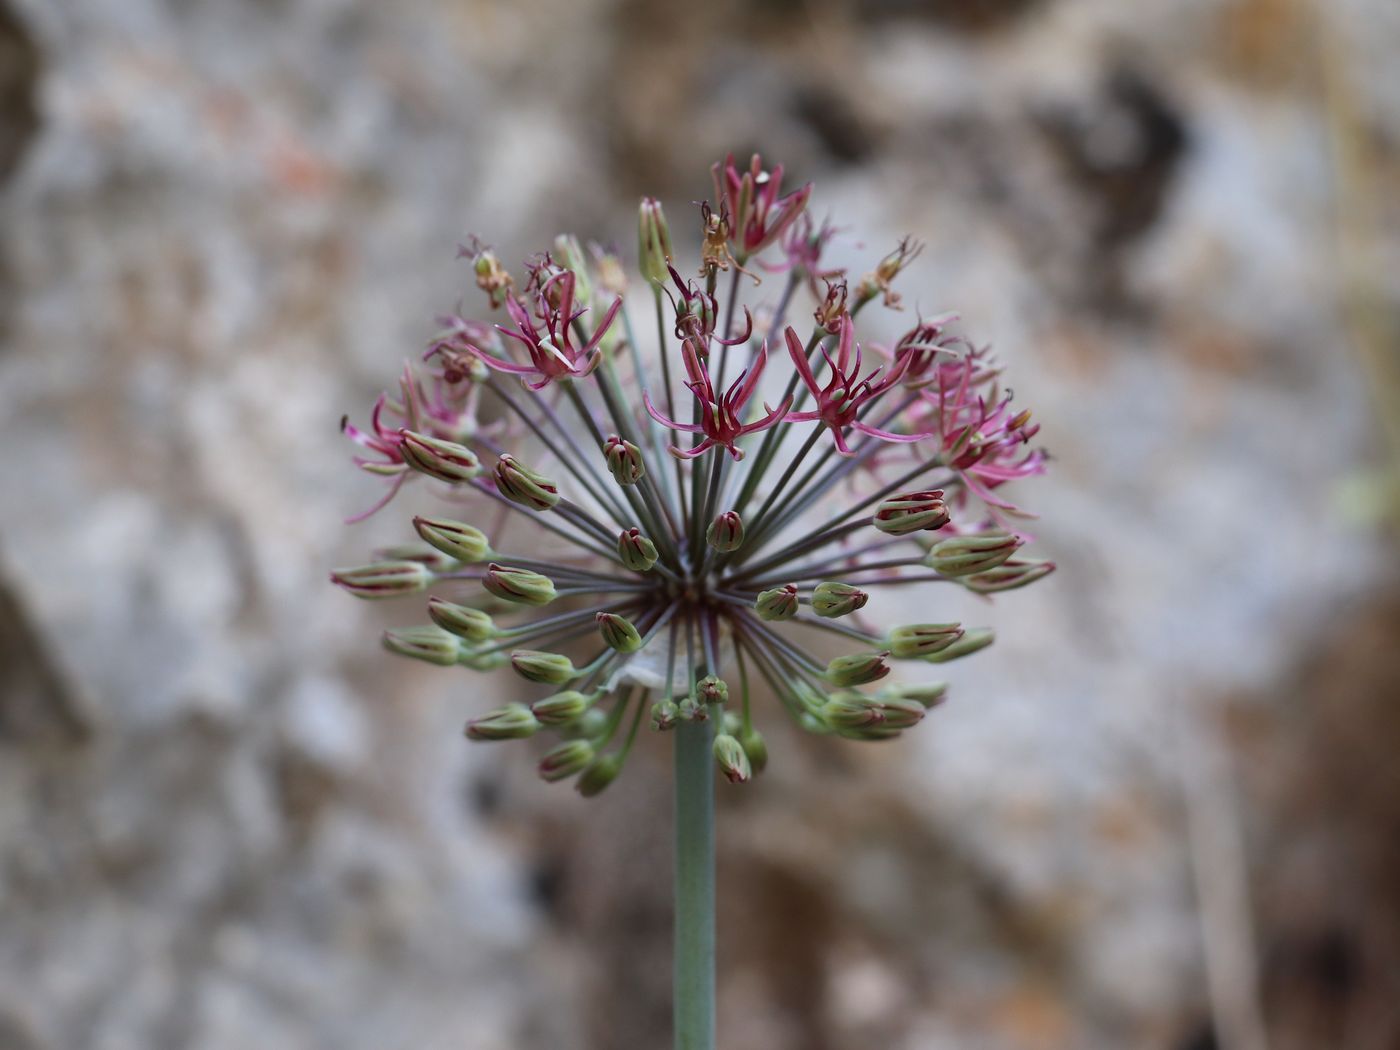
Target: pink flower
(981, 438)
(839, 403)
(697, 314)
(757, 214)
(444, 408)
(720, 417)
(553, 352)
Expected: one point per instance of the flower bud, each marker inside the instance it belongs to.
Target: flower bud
(523, 486)
(595, 779)
(732, 761)
(430, 644)
(852, 711)
(562, 762)
(1008, 576)
(756, 748)
(653, 242)
(732, 723)
(463, 542)
(536, 665)
(570, 252)
(419, 552)
(831, 599)
(916, 640)
(779, 603)
(491, 277)
(619, 632)
(929, 694)
(636, 551)
(512, 722)
(711, 690)
(518, 585)
(384, 579)
(612, 275)
(691, 710)
(489, 661)
(625, 462)
(911, 512)
(977, 552)
(562, 708)
(857, 669)
(591, 725)
(664, 715)
(461, 620)
(972, 640)
(726, 532)
(445, 460)
(869, 717)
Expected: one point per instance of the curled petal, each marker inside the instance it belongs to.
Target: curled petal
(886, 435)
(668, 423)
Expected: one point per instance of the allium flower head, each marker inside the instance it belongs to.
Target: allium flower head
(647, 530)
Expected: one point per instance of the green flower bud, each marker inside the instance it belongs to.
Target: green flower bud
(726, 532)
(625, 461)
(384, 579)
(518, 585)
(463, 542)
(731, 759)
(445, 460)
(930, 695)
(636, 551)
(664, 715)
(756, 748)
(570, 254)
(619, 632)
(711, 690)
(857, 669)
(732, 723)
(595, 779)
(852, 711)
(492, 661)
(911, 512)
(1008, 576)
(562, 762)
(780, 603)
(430, 644)
(870, 718)
(691, 710)
(591, 725)
(831, 599)
(612, 275)
(523, 486)
(653, 242)
(419, 552)
(917, 640)
(972, 640)
(562, 708)
(965, 555)
(462, 620)
(536, 665)
(512, 722)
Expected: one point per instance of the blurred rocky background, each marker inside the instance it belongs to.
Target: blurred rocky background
(1161, 813)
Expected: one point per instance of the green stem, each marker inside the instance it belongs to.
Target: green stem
(695, 888)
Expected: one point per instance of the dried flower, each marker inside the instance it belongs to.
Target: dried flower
(670, 578)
